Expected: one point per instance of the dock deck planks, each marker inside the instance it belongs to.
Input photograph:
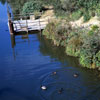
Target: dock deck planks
(29, 25)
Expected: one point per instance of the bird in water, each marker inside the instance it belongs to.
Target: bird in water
(54, 73)
(60, 90)
(43, 87)
(76, 75)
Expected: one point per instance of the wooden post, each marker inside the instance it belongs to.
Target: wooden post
(11, 28)
(26, 25)
(40, 27)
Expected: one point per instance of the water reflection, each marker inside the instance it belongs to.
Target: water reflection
(12, 40)
(56, 53)
(18, 39)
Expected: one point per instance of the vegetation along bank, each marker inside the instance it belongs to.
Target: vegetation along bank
(82, 41)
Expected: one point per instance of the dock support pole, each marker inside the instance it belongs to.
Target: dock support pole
(11, 28)
(40, 27)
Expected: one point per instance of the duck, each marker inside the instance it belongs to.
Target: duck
(54, 73)
(60, 90)
(76, 75)
(43, 87)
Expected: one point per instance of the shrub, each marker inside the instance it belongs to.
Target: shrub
(31, 6)
(37, 14)
(57, 31)
(91, 32)
(94, 30)
(98, 59)
(50, 30)
(68, 5)
(82, 43)
(94, 27)
(87, 16)
(85, 58)
(74, 43)
(76, 15)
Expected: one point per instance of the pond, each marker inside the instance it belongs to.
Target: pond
(28, 64)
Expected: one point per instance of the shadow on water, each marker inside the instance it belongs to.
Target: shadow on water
(56, 53)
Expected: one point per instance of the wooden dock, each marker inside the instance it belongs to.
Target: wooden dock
(26, 25)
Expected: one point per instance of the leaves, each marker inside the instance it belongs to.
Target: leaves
(30, 7)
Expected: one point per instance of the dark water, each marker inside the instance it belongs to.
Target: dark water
(27, 66)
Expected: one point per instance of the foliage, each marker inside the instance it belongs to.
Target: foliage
(3, 1)
(85, 58)
(76, 15)
(57, 32)
(94, 27)
(30, 7)
(98, 59)
(37, 14)
(68, 5)
(17, 5)
(87, 16)
(82, 43)
(62, 8)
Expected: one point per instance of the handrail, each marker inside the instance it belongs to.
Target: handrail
(24, 14)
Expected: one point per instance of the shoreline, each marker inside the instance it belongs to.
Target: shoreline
(82, 43)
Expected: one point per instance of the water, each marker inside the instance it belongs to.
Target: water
(28, 65)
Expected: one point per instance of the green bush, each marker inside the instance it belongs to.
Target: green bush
(85, 58)
(68, 5)
(94, 27)
(31, 6)
(98, 59)
(94, 30)
(57, 31)
(37, 14)
(76, 15)
(82, 43)
(87, 16)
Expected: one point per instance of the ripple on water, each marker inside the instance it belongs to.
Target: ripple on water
(71, 89)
